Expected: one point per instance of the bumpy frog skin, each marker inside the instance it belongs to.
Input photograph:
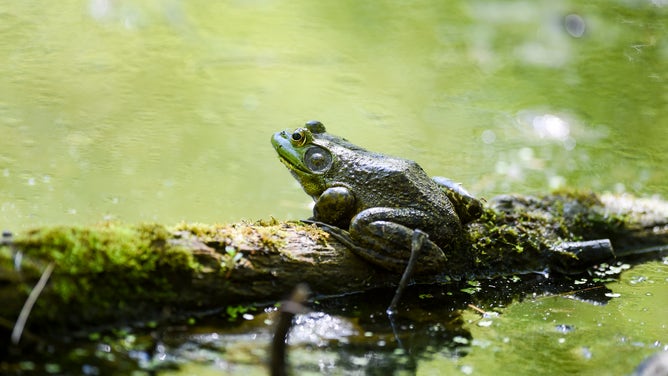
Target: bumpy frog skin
(373, 203)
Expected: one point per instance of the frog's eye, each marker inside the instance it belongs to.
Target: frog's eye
(300, 136)
(318, 159)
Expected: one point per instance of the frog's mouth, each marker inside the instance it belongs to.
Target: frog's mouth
(291, 166)
(287, 154)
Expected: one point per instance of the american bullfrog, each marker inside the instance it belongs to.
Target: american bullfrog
(376, 204)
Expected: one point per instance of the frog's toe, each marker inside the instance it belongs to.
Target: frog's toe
(339, 234)
(325, 226)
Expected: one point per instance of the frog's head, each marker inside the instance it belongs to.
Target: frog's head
(307, 153)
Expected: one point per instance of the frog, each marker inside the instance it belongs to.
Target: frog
(381, 207)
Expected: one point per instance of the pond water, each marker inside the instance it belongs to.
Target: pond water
(162, 111)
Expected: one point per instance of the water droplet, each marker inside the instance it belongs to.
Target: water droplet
(488, 136)
(586, 352)
(564, 328)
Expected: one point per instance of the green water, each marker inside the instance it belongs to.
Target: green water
(162, 111)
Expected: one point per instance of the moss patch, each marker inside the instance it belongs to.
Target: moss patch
(520, 233)
(107, 268)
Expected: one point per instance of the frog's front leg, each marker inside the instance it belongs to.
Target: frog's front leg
(383, 236)
(335, 207)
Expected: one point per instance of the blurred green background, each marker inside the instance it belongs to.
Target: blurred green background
(162, 110)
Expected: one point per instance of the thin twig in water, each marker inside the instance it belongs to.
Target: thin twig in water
(571, 292)
(30, 302)
(288, 310)
(479, 310)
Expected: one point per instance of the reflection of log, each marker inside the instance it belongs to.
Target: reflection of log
(111, 273)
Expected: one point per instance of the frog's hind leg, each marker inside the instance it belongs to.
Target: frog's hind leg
(369, 255)
(383, 237)
(419, 243)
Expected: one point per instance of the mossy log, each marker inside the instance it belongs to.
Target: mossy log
(113, 274)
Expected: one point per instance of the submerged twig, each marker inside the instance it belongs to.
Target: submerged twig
(287, 311)
(29, 303)
(416, 245)
(572, 292)
(479, 310)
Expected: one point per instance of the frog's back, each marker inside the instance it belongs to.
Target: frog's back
(384, 181)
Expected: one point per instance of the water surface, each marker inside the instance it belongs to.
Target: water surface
(162, 111)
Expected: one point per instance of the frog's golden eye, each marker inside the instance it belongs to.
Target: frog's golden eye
(300, 136)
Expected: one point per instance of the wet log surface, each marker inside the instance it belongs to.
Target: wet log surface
(114, 274)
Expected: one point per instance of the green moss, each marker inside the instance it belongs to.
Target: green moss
(266, 235)
(521, 233)
(107, 267)
(135, 251)
(234, 312)
(237, 243)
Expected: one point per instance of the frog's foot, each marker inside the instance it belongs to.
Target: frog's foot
(341, 235)
(325, 226)
(336, 232)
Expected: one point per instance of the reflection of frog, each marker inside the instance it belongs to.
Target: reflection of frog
(380, 200)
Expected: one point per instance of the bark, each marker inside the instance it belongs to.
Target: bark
(111, 273)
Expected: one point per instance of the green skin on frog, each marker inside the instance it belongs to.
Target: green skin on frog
(373, 203)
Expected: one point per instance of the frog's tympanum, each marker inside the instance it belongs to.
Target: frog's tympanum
(374, 203)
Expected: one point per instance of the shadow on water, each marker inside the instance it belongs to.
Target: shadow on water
(430, 322)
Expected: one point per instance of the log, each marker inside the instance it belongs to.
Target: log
(115, 274)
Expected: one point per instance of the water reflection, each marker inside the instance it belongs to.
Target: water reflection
(353, 334)
(452, 326)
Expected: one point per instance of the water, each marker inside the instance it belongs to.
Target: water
(162, 110)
